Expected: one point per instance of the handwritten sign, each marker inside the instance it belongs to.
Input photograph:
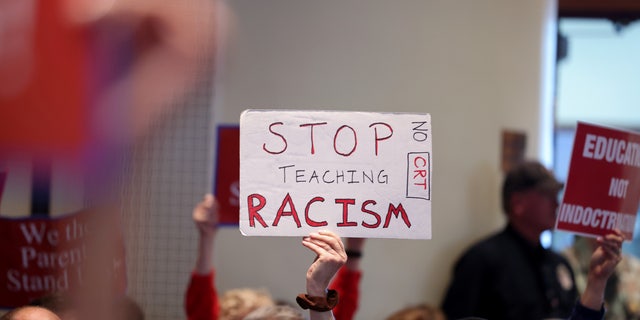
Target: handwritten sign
(227, 180)
(603, 186)
(44, 255)
(360, 174)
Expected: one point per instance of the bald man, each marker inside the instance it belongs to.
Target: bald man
(30, 313)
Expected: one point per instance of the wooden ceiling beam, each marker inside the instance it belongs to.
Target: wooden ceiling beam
(613, 9)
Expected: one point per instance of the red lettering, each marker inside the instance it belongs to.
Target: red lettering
(345, 213)
(264, 145)
(415, 162)
(313, 149)
(395, 211)
(365, 210)
(310, 222)
(423, 184)
(421, 172)
(335, 140)
(253, 209)
(292, 212)
(375, 130)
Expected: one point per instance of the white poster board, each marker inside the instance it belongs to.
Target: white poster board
(359, 174)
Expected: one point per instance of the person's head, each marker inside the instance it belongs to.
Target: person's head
(30, 313)
(235, 304)
(278, 312)
(418, 312)
(62, 304)
(530, 196)
(57, 302)
(126, 308)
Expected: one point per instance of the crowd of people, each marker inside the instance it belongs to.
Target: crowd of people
(508, 275)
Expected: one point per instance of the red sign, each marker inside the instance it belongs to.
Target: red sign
(603, 186)
(227, 186)
(3, 178)
(45, 255)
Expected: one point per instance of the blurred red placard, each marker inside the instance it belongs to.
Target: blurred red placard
(227, 181)
(603, 185)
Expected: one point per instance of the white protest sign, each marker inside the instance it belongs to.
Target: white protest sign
(359, 174)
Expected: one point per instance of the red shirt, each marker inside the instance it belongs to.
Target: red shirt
(201, 300)
(347, 284)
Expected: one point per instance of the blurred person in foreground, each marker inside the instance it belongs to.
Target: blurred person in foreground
(509, 275)
(81, 81)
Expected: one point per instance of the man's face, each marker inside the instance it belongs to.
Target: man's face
(538, 209)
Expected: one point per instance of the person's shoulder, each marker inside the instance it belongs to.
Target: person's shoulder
(495, 241)
(488, 248)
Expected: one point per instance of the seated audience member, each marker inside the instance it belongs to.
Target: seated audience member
(30, 313)
(57, 302)
(418, 312)
(235, 304)
(622, 293)
(509, 275)
(602, 264)
(281, 312)
(201, 299)
(62, 304)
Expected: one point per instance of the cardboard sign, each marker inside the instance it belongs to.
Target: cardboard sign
(45, 255)
(603, 186)
(359, 174)
(227, 181)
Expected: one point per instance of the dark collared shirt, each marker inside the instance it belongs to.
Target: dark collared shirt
(505, 277)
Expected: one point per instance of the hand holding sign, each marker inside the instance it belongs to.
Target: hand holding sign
(364, 174)
(603, 262)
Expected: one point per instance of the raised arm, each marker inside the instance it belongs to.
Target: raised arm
(201, 300)
(604, 260)
(205, 216)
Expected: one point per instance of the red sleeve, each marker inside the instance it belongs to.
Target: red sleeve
(201, 300)
(347, 284)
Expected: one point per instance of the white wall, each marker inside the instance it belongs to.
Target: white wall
(476, 66)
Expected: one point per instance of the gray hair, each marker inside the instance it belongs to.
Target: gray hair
(278, 312)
